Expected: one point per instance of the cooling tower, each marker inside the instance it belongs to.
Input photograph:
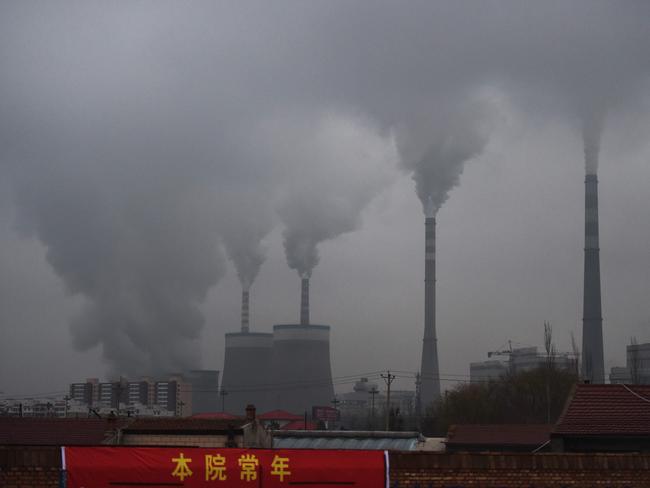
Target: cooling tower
(593, 364)
(205, 390)
(246, 369)
(430, 375)
(301, 372)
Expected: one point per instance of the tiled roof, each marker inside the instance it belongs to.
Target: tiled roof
(498, 434)
(36, 431)
(215, 415)
(606, 410)
(279, 415)
(183, 425)
(299, 425)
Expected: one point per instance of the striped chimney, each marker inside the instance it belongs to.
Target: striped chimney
(593, 364)
(429, 370)
(245, 310)
(304, 301)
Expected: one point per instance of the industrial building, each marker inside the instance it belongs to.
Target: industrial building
(289, 369)
(519, 360)
(637, 368)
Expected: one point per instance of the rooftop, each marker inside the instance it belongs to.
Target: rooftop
(279, 415)
(345, 439)
(175, 425)
(37, 431)
(498, 435)
(596, 410)
(215, 415)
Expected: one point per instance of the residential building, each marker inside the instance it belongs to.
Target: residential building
(637, 368)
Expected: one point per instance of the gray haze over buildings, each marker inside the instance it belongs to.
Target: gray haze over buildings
(156, 156)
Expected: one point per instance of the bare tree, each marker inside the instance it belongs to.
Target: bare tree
(576, 354)
(633, 363)
(550, 365)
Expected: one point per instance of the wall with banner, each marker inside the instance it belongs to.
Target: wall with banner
(99, 467)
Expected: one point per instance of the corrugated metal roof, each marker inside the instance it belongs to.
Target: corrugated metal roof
(397, 441)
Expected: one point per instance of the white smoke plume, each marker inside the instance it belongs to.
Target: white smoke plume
(436, 147)
(592, 129)
(336, 169)
(246, 222)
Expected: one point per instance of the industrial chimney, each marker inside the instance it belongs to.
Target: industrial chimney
(304, 301)
(593, 364)
(245, 296)
(429, 372)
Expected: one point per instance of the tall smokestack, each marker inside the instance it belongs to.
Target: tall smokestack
(593, 364)
(304, 302)
(430, 374)
(245, 297)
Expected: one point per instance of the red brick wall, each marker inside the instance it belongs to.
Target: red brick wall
(38, 467)
(33, 467)
(424, 470)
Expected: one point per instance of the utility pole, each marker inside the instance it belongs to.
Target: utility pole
(181, 404)
(388, 378)
(336, 402)
(223, 394)
(372, 392)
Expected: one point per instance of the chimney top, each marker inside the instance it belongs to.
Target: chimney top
(250, 412)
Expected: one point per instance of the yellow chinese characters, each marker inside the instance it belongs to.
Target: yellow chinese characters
(249, 464)
(182, 469)
(215, 467)
(280, 467)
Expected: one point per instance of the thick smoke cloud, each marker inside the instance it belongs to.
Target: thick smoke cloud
(246, 222)
(435, 148)
(335, 171)
(136, 139)
(592, 130)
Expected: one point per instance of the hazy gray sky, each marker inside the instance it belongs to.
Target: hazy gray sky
(146, 148)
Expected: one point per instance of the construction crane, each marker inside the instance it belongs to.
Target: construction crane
(501, 352)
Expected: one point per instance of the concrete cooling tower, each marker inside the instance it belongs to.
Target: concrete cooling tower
(246, 369)
(300, 364)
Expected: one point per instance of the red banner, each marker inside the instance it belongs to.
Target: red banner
(99, 467)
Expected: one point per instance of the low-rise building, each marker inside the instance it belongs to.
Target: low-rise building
(604, 418)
